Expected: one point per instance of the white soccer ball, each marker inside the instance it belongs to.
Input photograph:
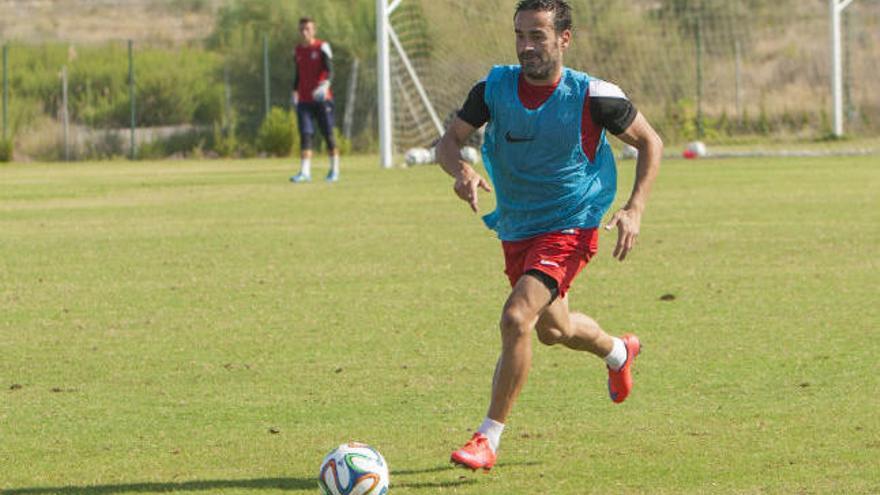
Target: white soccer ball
(418, 156)
(354, 468)
(470, 155)
(629, 152)
(697, 148)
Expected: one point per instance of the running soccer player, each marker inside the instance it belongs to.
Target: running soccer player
(313, 99)
(554, 176)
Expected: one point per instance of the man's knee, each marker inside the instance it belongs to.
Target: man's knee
(516, 322)
(305, 141)
(331, 141)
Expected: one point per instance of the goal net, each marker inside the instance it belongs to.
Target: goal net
(723, 71)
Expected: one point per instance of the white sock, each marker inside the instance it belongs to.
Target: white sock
(306, 166)
(492, 429)
(334, 164)
(617, 357)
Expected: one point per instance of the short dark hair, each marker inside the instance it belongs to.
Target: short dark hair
(560, 8)
(306, 20)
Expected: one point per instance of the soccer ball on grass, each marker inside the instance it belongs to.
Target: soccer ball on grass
(419, 156)
(695, 149)
(353, 468)
(470, 155)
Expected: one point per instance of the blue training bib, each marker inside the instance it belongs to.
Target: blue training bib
(543, 180)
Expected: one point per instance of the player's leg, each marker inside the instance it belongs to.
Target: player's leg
(577, 331)
(557, 325)
(306, 125)
(325, 124)
(558, 259)
(528, 298)
(521, 311)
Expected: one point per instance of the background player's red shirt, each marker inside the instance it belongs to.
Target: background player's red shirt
(312, 68)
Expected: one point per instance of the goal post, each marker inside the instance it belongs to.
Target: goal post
(383, 71)
(387, 39)
(837, 7)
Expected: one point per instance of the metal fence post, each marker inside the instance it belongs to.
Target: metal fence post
(266, 87)
(5, 88)
(350, 100)
(133, 152)
(65, 114)
(699, 43)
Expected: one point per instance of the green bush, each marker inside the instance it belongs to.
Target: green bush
(224, 143)
(172, 87)
(108, 145)
(276, 136)
(189, 144)
(5, 150)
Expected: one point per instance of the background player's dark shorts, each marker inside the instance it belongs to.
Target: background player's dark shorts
(560, 255)
(313, 113)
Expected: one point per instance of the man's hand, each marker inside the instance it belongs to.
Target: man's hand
(448, 153)
(627, 221)
(294, 99)
(320, 92)
(466, 184)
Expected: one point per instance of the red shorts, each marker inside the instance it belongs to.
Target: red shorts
(560, 255)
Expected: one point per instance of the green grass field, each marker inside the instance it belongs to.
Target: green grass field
(207, 327)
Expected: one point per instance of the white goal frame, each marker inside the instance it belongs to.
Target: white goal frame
(385, 38)
(836, 8)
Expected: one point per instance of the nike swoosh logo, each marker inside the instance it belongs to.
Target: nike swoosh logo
(512, 139)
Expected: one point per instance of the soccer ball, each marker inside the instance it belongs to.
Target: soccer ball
(418, 156)
(629, 152)
(695, 149)
(354, 468)
(470, 155)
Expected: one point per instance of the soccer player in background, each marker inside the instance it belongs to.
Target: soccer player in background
(554, 177)
(313, 99)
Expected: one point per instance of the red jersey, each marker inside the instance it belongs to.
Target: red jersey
(313, 66)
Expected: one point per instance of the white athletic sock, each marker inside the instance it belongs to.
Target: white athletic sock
(334, 164)
(617, 357)
(492, 429)
(306, 166)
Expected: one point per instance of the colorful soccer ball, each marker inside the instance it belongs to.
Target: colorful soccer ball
(354, 468)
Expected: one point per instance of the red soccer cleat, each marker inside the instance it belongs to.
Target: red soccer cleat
(620, 382)
(475, 454)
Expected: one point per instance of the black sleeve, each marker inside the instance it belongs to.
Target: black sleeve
(475, 112)
(610, 108)
(328, 64)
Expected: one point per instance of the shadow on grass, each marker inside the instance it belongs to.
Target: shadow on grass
(465, 477)
(451, 467)
(290, 484)
(301, 484)
(433, 484)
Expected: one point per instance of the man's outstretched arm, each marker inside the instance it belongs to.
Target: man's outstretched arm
(628, 219)
(467, 180)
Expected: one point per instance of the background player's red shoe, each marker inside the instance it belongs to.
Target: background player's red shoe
(475, 454)
(620, 382)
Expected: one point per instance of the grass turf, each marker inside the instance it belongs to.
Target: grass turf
(209, 327)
